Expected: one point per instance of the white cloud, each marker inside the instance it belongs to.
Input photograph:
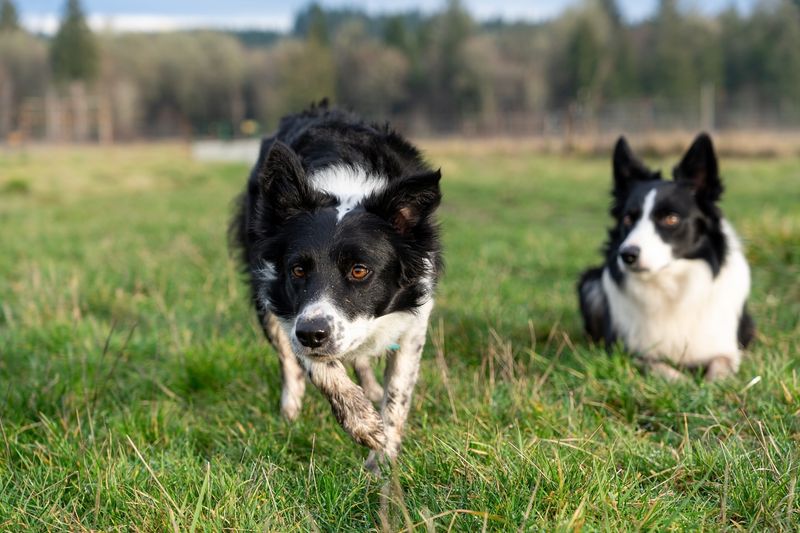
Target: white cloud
(518, 9)
(40, 22)
(47, 23)
(281, 14)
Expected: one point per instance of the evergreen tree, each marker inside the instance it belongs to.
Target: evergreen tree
(779, 53)
(583, 57)
(398, 35)
(584, 63)
(318, 26)
(611, 10)
(395, 33)
(74, 52)
(452, 90)
(671, 69)
(621, 80)
(9, 20)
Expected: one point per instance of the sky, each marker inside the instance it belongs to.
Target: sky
(153, 15)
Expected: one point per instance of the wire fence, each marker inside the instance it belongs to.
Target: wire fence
(78, 115)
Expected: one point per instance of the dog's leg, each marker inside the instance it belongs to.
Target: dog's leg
(292, 374)
(747, 329)
(664, 371)
(348, 402)
(400, 376)
(367, 380)
(719, 368)
(594, 306)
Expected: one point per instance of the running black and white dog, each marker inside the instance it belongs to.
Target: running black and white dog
(340, 243)
(675, 280)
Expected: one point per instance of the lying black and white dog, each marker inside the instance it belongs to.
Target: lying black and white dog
(340, 243)
(675, 280)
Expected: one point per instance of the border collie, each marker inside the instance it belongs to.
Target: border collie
(337, 234)
(675, 280)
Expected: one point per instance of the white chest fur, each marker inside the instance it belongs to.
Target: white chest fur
(379, 333)
(682, 313)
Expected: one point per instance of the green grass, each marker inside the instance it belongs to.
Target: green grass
(136, 391)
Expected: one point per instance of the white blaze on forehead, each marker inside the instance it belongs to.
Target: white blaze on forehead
(349, 184)
(654, 253)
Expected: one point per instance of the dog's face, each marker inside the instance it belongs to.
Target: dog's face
(658, 221)
(329, 274)
(333, 279)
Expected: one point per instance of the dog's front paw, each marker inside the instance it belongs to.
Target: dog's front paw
(290, 408)
(359, 419)
(719, 368)
(375, 462)
(368, 430)
(665, 372)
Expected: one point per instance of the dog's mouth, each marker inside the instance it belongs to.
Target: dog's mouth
(645, 272)
(322, 354)
(634, 268)
(339, 344)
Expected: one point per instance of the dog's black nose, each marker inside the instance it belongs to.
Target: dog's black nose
(629, 254)
(313, 332)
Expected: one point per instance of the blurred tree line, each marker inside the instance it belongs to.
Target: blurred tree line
(443, 72)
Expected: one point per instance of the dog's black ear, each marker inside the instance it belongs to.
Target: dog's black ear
(627, 167)
(408, 201)
(700, 170)
(282, 185)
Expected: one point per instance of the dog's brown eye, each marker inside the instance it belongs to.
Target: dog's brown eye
(670, 220)
(627, 220)
(359, 272)
(298, 272)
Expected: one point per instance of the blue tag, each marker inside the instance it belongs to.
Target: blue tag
(394, 347)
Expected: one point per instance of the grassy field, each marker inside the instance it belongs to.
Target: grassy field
(137, 393)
